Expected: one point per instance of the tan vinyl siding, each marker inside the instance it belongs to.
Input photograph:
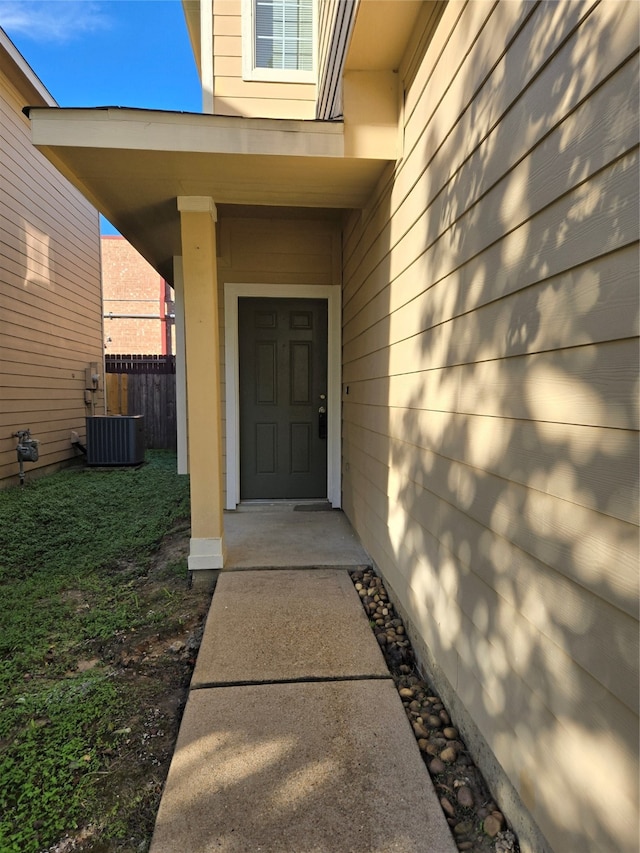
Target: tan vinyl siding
(278, 251)
(50, 297)
(234, 96)
(490, 325)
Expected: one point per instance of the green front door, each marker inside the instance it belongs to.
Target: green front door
(283, 398)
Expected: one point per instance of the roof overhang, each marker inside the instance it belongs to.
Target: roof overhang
(133, 164)
(18, 71)
(381, 33)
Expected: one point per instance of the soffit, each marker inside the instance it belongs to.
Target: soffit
(133, 164)
(380, 35)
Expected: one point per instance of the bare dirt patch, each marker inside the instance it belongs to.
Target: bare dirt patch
(151, 666)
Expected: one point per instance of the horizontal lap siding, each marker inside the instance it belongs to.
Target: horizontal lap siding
(50, 299)
(490, 323)
(235, 96)
(36, 188)
(278, 251)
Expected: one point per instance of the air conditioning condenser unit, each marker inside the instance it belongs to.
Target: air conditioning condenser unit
(115, 440)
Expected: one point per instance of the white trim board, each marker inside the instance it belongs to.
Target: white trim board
(233, 292)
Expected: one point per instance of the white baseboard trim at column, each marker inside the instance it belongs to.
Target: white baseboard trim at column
(205, 554)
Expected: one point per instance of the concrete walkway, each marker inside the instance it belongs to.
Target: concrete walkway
(294, 738)
(290, 535)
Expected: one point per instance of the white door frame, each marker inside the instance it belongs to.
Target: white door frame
(233, 292)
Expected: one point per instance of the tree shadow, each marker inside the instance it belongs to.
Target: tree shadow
(490, 427)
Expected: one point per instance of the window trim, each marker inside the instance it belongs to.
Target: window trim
(272, 75)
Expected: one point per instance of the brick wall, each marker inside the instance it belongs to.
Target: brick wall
(131, 287)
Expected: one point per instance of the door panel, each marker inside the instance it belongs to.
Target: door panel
(266, 448)
(300, 373)
(283, 375)
(266, 373)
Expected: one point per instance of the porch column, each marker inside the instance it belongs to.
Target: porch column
(200, 283)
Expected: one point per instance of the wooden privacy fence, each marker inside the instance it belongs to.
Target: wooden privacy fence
(144, 385)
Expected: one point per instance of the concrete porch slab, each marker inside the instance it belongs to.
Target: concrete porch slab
(285, 535)
(273, 626)
(299, 768)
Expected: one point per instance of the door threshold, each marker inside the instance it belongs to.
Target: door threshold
(302, 505)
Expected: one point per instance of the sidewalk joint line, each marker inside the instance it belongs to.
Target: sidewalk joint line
(298, 567)
(312, 679)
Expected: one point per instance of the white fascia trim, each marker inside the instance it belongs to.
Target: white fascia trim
(333, 295)
(22, 74)
(205, 554)
(154, 130)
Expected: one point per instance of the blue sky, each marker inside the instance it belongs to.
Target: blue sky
(128, 53)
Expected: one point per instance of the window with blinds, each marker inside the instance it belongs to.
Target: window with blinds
(284, 34)
(279, 40)
(283, 31)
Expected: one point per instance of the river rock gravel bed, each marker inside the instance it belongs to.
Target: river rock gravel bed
(476, 822)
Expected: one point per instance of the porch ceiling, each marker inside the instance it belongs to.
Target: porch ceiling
(133, 164)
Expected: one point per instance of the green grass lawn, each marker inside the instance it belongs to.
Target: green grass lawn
(74, 549)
